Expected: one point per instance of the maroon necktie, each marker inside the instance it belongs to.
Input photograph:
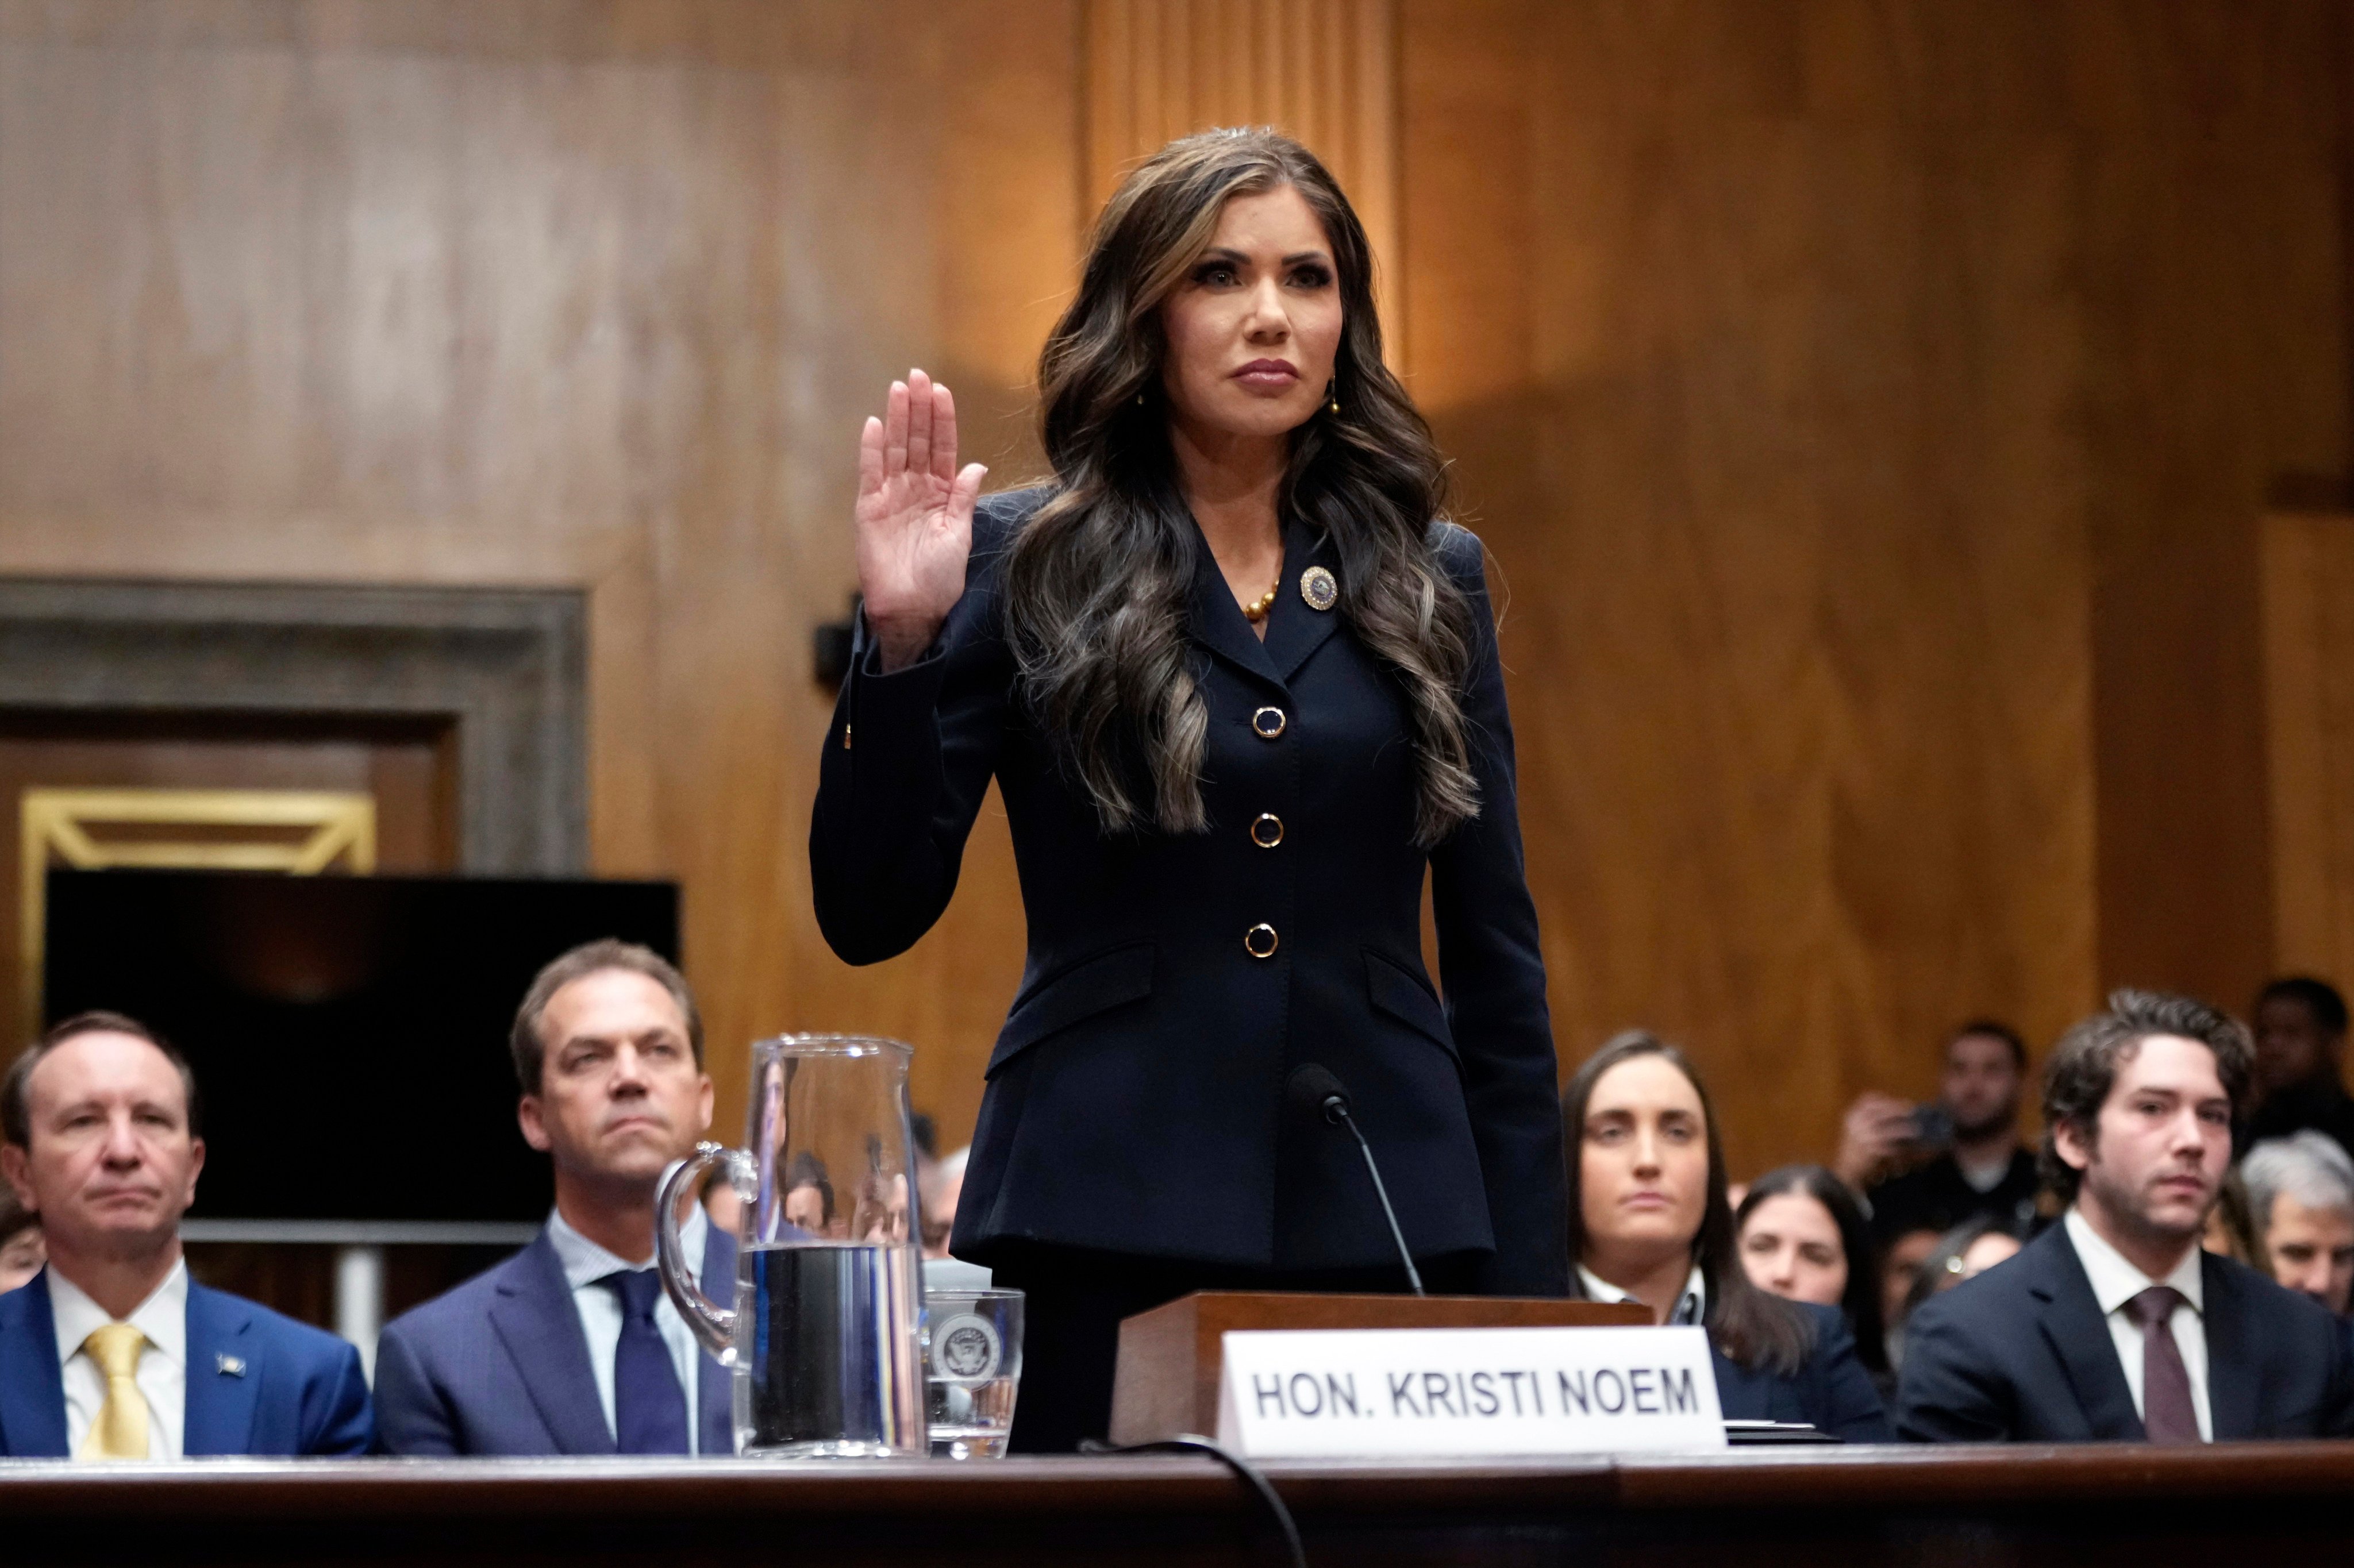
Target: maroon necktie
(2167, 1413)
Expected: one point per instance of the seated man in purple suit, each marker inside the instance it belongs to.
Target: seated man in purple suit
(111, 1351)
(570, 1346)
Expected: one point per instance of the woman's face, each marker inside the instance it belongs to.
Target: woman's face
(1254, 329)
(1791, 1246)
(1642, 1163)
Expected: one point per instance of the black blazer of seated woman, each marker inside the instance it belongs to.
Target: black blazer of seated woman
(1649, 1221)
(1135, 1140)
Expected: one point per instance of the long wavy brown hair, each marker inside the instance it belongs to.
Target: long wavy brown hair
(1096, 580)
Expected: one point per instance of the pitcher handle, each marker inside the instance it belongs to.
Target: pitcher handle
(713, 1324)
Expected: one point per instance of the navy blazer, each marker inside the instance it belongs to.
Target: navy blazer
(1830, 1391)
(1135, 1099)
(500, 1365)
(2022, 1353)
(258, 1384)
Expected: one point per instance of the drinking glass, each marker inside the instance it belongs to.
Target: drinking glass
(975, 1356)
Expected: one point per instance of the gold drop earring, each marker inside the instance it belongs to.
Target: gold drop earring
(1332, 396)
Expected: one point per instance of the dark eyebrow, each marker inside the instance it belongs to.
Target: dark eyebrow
(1221, 254)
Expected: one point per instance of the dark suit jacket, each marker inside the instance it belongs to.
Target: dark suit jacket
(2022, 1353)
(500, 1365)
(1830, 1391)
(258, 1384)
(1135, 1100)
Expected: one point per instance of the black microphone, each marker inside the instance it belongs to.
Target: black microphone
(1314, 1091)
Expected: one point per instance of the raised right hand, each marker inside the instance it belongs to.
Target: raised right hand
(915, 517)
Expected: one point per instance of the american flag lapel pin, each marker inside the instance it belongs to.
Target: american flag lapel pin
(228, 1365)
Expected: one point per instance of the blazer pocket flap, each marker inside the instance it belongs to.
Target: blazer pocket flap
(1395, 992)
(1086, 989)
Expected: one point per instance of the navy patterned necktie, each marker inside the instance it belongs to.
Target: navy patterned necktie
(649, 1406)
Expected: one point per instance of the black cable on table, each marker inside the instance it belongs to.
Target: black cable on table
(1189, 1443)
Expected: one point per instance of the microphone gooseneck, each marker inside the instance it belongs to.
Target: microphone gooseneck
(1314, 1089)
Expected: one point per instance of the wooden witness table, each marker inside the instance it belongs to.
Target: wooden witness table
(2244, 1504)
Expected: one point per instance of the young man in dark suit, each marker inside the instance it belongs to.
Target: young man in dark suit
(571, 1346)
(111, 1351)
(2114, 1324)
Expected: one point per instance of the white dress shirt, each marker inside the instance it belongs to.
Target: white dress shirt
(586, 1263)
(2115, 1282)
(163, 1374)
(1691, 1306)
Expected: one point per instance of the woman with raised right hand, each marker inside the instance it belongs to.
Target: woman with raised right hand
(1237, 681)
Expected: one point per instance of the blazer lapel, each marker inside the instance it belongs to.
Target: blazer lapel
(2072, 1323)
(224, 1373)
(535, 1320)
(715, 1394)
(1296, 628)
(1216, 621)
(32, 1384)
(2231, 1367)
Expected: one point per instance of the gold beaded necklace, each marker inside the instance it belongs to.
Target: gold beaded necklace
(1256, 611)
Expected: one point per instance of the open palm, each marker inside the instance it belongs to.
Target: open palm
(915, 517)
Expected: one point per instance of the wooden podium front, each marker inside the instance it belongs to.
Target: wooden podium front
(1170, 1358)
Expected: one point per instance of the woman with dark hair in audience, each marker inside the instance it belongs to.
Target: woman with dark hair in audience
(1650, 1222)
(1802, 1237)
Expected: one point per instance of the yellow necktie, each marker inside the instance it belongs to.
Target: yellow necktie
(121, 1430)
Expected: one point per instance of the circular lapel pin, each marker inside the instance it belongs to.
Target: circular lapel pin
(1316, 587)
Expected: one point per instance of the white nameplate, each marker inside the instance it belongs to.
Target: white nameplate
(1318, 1393)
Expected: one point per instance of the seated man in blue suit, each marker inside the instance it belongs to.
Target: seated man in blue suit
(2114, 1324)
(570, 1346)
(111, 1352)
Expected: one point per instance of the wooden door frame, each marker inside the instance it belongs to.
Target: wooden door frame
(507, 667)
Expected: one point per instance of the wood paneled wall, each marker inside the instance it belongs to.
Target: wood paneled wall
(1324, 71)
(2309, 626)
(1869, 404)
(571, 292)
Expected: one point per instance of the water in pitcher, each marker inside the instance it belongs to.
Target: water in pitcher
(828, 1372)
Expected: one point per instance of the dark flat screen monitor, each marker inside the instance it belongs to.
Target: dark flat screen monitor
(348, 1033)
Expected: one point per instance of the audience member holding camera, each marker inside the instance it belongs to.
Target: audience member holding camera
(111, 1351)
(1931, 1168)
(2115, 1324)
(1650, 1222)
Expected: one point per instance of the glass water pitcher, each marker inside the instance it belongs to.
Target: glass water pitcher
(825, 1334)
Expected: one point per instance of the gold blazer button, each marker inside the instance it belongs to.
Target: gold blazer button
(1259, 942)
